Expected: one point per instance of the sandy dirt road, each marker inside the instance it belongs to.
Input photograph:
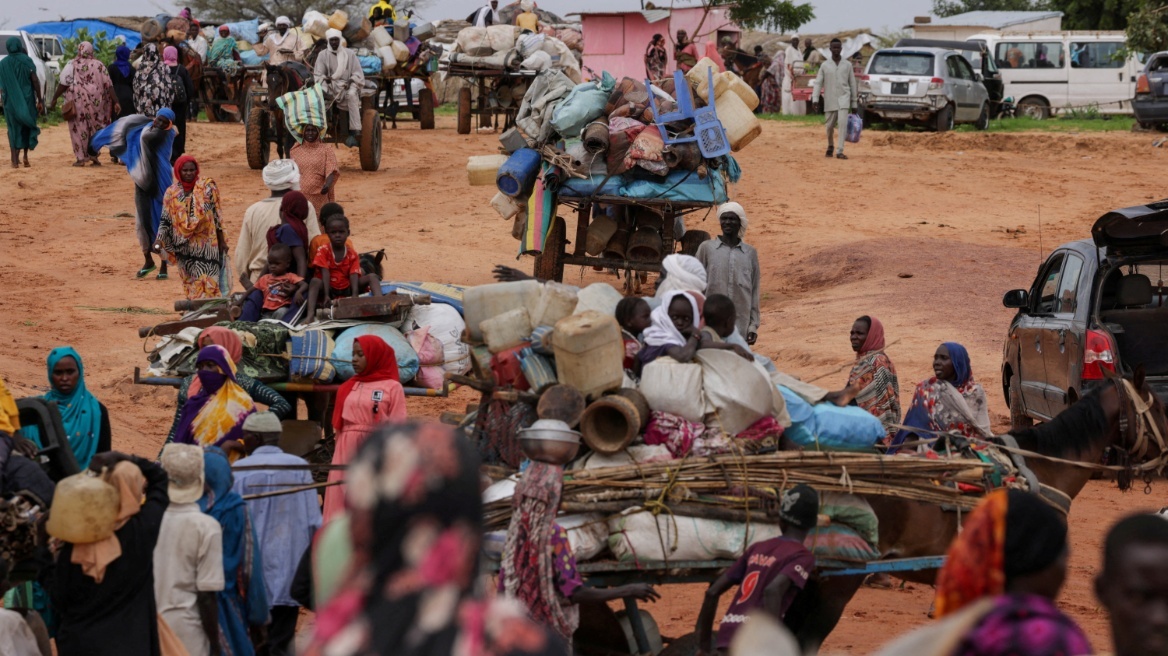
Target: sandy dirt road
(836, 240)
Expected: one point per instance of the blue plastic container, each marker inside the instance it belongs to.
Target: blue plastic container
(517, 175)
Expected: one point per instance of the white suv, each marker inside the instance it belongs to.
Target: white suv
(933, 87)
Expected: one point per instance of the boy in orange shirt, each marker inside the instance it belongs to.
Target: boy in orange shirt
(338, 268)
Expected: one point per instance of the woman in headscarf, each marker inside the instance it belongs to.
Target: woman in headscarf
(416, 517)
(996, 591)
(873, 377)
(184, 91)
(143, 145)
(680, 273)
(121, 75)
(224, 52)
(89, 95)
(293, 230)
(85, 419)
(259, 392)
(656, 58)
(22, 99)
(243, 601)
(675, 330)
(771, 98)
(318, 166)
(154, 86)
(372, 397)
(949, 401)
(103, 593)
(191, 233)
(215, 414)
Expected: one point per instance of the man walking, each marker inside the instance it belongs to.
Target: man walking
(732, 269)
(284, 524)
(837, 81)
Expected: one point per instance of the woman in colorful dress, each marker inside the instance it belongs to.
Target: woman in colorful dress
(22, 99)
(86, 84)
(949, 401)
(771, 98)
(996, 591)
(372, 397)
(873, 377)
(215, 414)
(656, 58)
(243, 601)
(191, 234)
(153, 83)
(319, 170)
(85, 419)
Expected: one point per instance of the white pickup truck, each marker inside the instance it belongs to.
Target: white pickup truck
(46, 72)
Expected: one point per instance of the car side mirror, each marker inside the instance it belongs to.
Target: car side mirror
(1017, 299)
(977, 77)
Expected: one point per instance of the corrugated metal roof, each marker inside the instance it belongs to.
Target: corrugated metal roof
(994, 19)
(651, 15)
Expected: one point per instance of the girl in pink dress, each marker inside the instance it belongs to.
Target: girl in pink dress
(371, 398)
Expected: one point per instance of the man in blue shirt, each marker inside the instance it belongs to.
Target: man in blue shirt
(284, 524)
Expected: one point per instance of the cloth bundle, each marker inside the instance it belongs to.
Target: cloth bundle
(645, 151)
(544, 95)
(301, 108)
(622, 132)
(630, 98)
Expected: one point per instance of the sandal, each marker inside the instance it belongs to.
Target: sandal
(145, 271)
(829, 151)
(841, 156)
(163, 276)
(79, 163)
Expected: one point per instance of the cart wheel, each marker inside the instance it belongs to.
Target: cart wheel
(549, 265)
(426, 109)
(258, 147)
(370, 140)
(464, 110)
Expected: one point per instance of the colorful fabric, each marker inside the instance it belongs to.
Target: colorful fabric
(154, 88)
(89, 91)
(243, 601)
(676, 433)
(771, 98)
(20, 111)
(875, 376)
(758, 567)
(528, 556)
(278, 290)
(1024, 624)
(301, 108)
(222, 55)
(95, 557)
(317, 161)
(145, 150)
(852, 533)
(80, 410)
(216, 414)
(225, 337)
(188, 233)
(655, 61)
(541, 210)
(975, 563)
(293, 213)
(9, 414)
(938, 406)
(339, 271)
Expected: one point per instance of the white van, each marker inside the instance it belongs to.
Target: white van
(1045, 72)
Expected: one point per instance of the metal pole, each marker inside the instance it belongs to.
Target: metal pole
(638, 627)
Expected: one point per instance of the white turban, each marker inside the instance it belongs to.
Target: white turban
(527, 5)
(282, 174)
(735, 209)
(683, 273)
(331, 33)
(284, 20)
(262, 422)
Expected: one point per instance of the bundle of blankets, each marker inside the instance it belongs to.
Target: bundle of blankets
(506, 47)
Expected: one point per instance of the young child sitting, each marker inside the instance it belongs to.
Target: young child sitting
(338, 269)
(675, 331)
(632, 313)
(720, 315)
(276, 290)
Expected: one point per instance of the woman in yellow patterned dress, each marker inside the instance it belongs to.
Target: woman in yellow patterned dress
(191, 234)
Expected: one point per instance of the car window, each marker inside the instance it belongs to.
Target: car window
(964, 68)
(1048, 284)
(1019, 54)
(1068, 289)
(1159, 63)
(1099, 54)
(901, 63)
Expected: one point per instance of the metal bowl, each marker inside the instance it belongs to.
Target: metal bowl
(550, 441)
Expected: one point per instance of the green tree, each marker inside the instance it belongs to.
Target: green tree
(1147, 29)
(104, 48)
(769, 15)
(1097, 14)
(945, 8)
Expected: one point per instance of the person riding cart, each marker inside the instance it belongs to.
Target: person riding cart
(338, 72)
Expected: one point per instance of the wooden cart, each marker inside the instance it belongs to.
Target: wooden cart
(491, 94)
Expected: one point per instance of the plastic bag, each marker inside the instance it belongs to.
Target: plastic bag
(676, 388)
(342, 356)
(584, 105)
(247, 30)
(855, 127)
(430, 357)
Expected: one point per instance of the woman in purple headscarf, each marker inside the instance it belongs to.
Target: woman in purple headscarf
(216, 413)
(949, 401)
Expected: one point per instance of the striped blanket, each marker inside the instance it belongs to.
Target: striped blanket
(303, 107)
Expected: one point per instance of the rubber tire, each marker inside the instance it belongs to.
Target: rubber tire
(370, 140)
(549, 265)
(426, 109)
(983, 119)
(1018, 417)
(464, 110)
(943, 119)
(1035, 108)
(259, 149)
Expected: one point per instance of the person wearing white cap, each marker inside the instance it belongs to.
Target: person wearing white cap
(284, 524)
(283, 45)
(339, 73)
(251, 251)
(188, 558)
(732, 269)
(485, 16)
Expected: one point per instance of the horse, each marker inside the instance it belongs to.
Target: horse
(284, 78)
(1125, 415)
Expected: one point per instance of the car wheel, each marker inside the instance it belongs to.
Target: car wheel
(1018, 417)
(943, 120)
(1035, 108)
(983, 119)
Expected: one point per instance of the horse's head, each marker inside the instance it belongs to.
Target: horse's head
(1141, 432)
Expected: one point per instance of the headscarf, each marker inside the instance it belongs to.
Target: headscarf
(380, 365)
(961, 367)
(9, 414)
(153, 84)
(20, 105)
(283, 20)
(84, 50)
(225, 337)
(80, 410)
(1011, 533)
(281, 174)
(683, 273)
(122, 60)
(220, 54)
(737, 210)
(185, 13)
(662, 332)
(416, 526)
(293, 211)
(216, 413)
(170, 56)
(178, 164)
(95, 557)
(330, 34)
(875, 339)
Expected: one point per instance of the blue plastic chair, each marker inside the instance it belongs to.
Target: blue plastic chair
(708, 131)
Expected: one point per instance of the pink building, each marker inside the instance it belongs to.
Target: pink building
(615, 41)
